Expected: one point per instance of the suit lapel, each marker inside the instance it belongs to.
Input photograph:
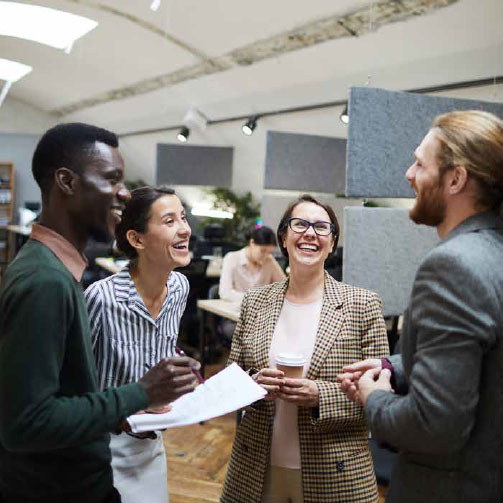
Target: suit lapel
(267, 318)
(329, 327)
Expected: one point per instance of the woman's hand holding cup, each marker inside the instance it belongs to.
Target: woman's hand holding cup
(271, 380)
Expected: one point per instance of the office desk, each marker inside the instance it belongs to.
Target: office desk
(224, 308)
(114, 266)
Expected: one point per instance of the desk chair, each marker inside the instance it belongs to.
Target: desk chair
(190, 322)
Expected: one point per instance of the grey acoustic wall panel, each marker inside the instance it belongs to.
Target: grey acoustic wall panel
(382, 251)
(385, 128)
(274, 205)
(194, 165)
(305, 162)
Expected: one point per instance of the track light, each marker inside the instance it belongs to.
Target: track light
(250, 125)
(344, 115)
(183, 134)
(155, 4)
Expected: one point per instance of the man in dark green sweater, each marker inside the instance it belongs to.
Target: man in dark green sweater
(54, 423)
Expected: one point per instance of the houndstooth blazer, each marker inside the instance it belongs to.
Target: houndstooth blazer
(335, 457)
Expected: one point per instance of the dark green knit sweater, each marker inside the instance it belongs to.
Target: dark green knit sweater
(53, 421)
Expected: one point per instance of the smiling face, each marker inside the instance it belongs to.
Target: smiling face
(166, 241)
(101, 193)
(426, 180)
(308, 249)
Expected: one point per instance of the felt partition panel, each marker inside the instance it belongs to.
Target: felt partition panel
(385, 128)
(382, 251)
(194, 165)
(274, 205)
(305, 162)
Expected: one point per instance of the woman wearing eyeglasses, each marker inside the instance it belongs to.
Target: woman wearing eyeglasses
(305, 442)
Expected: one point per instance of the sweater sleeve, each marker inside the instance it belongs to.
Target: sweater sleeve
(47, 399)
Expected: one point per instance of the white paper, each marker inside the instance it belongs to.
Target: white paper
(229, 390)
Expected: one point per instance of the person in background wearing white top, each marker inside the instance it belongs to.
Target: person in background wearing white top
(134, 317)
(250, 267)
(305, 442)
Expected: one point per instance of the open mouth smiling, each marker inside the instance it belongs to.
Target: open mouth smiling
(310, 247)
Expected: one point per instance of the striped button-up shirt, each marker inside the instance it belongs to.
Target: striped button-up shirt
(127, 341)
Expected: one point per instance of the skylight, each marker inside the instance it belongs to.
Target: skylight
(40, 24)
(12, 71)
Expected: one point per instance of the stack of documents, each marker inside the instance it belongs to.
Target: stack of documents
(229, 390)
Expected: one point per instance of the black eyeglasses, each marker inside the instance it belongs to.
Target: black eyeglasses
(299, 225)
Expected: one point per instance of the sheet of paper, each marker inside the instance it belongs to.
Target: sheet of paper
(229, 390)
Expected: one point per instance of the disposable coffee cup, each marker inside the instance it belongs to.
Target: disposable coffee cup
(291, 364)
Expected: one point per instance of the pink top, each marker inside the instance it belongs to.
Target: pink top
(295, 332)
(237, 277)
(70, 257)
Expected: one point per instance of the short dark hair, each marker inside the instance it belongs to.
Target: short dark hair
(263, 236)
(136, 215)
(67, 145)
(306, 198)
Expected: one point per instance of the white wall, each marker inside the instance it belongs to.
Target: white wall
(249, 152)
(18, 117)
(21, 126)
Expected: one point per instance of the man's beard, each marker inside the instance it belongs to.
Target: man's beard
(430, 206)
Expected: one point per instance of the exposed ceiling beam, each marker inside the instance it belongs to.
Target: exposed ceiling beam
(353, 24)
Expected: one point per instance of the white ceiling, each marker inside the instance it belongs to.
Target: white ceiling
(133, 47)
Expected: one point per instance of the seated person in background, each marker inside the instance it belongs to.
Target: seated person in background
(135, 315)
(250, 267)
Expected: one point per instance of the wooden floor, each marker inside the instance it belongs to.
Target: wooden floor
(197, 458)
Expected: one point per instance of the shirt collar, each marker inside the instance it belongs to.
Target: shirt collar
(243, 259)
(125, 289)
(479, 221)
(68, 255)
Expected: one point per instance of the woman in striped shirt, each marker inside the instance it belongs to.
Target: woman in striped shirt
(134, 316)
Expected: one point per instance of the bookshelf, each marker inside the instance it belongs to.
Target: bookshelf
(6, 209)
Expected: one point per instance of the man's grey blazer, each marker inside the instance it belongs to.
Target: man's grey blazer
(446, 418)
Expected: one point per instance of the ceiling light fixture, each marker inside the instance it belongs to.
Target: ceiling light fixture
(249, 126)
(11, 71)
(43, 25)
(195, 119)
(183, 135)
(155, 4)
(344, 115)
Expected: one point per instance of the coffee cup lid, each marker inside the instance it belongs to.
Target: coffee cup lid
(290, 359)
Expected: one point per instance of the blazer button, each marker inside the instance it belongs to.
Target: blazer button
(244, 448)
(339, 465)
